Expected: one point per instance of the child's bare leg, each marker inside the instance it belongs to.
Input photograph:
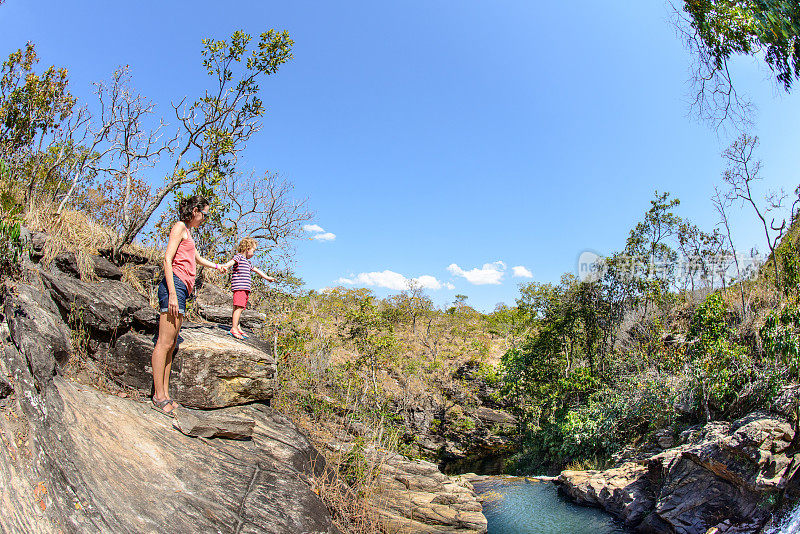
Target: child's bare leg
(237, 314)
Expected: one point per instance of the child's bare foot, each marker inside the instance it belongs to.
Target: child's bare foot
(236, 334)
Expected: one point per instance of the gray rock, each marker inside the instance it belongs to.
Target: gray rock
(38, 241)
(146, 319)
(414, 496)
(721, 472)
(664, 438)
(490, 416)
(107, 305)
(105, 269)
(173, 483)
(67, 262)
(207, 425)
(216, 305)
(6, 388)
(623, 491)
(210, 369)
(38, 333)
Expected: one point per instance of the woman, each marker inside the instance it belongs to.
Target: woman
(179, 274)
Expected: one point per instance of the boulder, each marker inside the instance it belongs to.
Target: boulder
(67, 262)
(38, 241)
(624, 491)
(495, 417)
(720, 477)
(210, 368)
(107, 305)
(414, 496)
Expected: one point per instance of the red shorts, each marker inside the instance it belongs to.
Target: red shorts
(240, 298)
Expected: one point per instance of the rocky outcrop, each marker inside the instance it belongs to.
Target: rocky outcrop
(722, 476)
(414, 496)
(216, 305)
(75, 459)
(474, 432)
(108, 464)
(204, 425)
(106, 306)
(210, 368)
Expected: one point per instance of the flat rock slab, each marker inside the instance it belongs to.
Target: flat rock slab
(139, 474)
(195, 423)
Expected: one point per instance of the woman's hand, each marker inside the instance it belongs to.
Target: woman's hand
(222, 268)
(172, 305)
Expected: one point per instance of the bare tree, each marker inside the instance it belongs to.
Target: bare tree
(134, 145)
(216, 127)
(264, 208)
(742, 173)
(721, 203)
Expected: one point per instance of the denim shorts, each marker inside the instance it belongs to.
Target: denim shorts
(180, 291)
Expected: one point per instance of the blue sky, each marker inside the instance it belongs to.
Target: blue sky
(448, 140)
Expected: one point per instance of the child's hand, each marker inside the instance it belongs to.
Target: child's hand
(269, 279)
(221, 268)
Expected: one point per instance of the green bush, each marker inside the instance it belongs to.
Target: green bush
(780, 335)
(720, 368)
(10, 229)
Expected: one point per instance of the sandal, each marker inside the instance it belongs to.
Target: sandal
(159, 407)
(237, 335)
(245, 336)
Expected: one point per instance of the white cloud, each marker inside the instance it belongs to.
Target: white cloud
(427, 281)
(490, 273)
(312, 228)
(521, 271)
(450, 286)
(392, 280)
(327, 236)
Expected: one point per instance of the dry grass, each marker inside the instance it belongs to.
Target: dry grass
(69, 231)
(349, 485)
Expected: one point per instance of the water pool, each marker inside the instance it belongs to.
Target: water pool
(531, 506)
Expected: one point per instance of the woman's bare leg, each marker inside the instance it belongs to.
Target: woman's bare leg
(168, 326)
(170, 355)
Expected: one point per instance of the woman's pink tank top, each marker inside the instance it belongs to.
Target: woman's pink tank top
(183, 264)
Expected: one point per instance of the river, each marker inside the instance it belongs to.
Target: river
(521, 505)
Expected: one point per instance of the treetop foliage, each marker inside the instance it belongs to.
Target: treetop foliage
(749, 27)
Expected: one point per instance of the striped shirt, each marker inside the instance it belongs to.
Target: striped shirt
(240, 278)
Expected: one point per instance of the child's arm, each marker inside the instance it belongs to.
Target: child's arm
(262, 275)
(228, 264)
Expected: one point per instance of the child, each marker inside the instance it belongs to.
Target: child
(240, 282)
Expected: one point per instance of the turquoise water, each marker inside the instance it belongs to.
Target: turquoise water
(530, 506)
